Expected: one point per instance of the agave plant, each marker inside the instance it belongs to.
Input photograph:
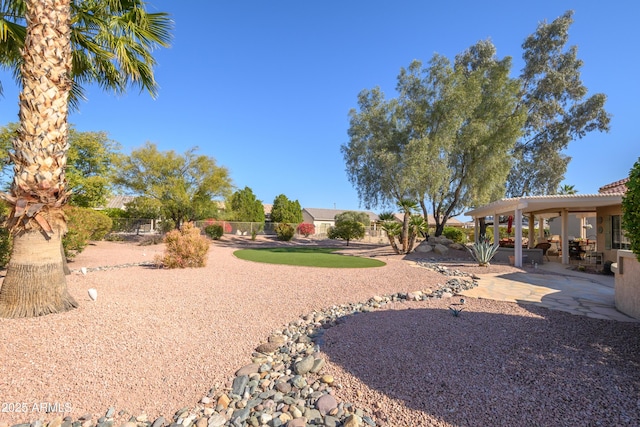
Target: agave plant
(483, 251)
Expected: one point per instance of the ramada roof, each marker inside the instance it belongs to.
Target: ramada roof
(548, 205)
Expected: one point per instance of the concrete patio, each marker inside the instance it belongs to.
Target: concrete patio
(556, 287)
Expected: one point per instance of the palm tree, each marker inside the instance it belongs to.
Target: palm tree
(111, 40)
(407, 206)
(417, 225)
(391, 228)
(566, 190)
(50, 71)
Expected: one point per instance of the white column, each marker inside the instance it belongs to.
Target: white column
(476, 229)
(564, 235)
(496, 228)
(518, 238)
(541, 230)
(532, 232)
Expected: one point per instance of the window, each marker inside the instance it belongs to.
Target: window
(618, 239)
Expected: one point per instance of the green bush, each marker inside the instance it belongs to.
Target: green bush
(186, 247)
(115, 213)
(285, 232)
(346, 230)
(631, 209)
(214, 231)
(84, 225)
(455, 234)
(6, 241)
(167, 225)
(5, 247)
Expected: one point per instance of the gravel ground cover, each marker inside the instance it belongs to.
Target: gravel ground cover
(157, 341)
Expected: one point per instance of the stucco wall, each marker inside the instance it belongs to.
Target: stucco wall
(627, 291)
(555, 226)
(601, 230)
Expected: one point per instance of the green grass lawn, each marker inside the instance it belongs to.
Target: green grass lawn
(307, 257)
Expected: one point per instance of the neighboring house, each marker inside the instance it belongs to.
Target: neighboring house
(451, 222)
(267, 211)
(322, 219)
(117, 202)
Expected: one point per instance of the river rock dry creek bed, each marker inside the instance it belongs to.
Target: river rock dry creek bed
(242, 343)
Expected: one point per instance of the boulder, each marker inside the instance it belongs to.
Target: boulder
(440, 240)
(440, 249)
(423, 247)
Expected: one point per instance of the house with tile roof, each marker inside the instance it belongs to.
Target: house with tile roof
(451, 222)
(614, 187)
(322, 219)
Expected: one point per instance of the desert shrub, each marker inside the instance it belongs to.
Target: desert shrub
(84, 224)
(284, 231)
(306, 229)
(184, 248)
(455, 234)
(214, 231)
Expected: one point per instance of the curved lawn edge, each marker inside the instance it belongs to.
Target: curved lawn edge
(306, 257)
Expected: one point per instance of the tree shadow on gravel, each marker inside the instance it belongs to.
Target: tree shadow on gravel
(544, 368)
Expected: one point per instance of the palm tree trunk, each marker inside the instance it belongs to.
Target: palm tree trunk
(392, 242)
(412, 241)
(35, 282)
(405, 232)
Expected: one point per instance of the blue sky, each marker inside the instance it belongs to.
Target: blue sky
(265, 87)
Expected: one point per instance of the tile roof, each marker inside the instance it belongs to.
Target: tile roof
(614, 187)
(320, 214)
(451, 222)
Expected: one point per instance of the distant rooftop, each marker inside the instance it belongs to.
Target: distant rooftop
(321, 214)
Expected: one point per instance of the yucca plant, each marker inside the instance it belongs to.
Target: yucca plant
(483, 251)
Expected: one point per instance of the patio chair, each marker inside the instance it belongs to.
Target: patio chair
(545, 247)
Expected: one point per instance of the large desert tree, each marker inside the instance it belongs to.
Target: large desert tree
(463, 134)
(558, 109)
(183, 185)
(112, 46)
(444, 139)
